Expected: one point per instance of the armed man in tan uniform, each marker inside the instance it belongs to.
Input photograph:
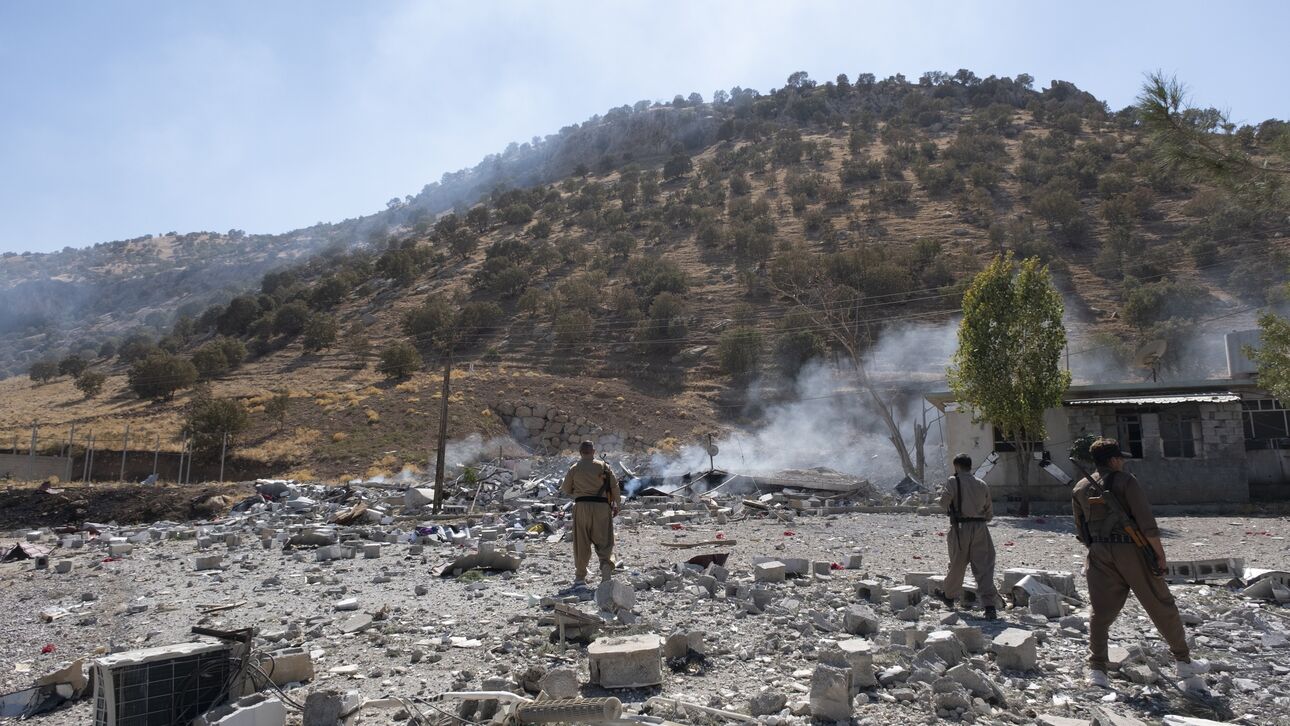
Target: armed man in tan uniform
(1107, 505)
(596, 500)
(967, 500)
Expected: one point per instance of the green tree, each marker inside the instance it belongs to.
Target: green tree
(399, 360)
(209, 361)
(1007, 369)
(43, 371)
(90, 383)
(277, 406)
(1273, 355)
(739, 351)
(234, 351)
(72, 365)
(677, 166)
(320, 332)
(289, 320)
(797, 343)
(357, 345)
(211, 423)
(159, 375)
(478, 218)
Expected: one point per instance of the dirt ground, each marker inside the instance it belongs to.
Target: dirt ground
(408, 651)
(30, 507)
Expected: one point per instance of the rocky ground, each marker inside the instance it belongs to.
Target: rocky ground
(427, 634)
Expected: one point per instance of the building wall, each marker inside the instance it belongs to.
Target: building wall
(23, 467)
(1220, 473)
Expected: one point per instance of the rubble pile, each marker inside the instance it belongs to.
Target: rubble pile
(780, 606)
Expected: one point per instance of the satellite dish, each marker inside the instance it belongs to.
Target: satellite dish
(713, 450)
(1149, 355)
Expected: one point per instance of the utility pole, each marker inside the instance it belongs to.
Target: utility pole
(125, 446)
(31, 454)
(156, 455)
(71, 456)
(443, 431)
(188, 477)
(183, 446)
(222, 449)
(89, 461)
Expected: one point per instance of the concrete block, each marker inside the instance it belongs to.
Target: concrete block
(371, 550)
(632, 661)
(417, 497)
(325, 708)
(821, 568)
(946, 646)
(1028, 587)
(858, 654)
(909, 637)
(560, 683)
(977, 683)
(120, 549)
(677, 646)
(615, 596)
(830, 697)
(852, 561)
(1047, 605)
(63, 567)
(920, 580)
(770, 571)
(349, 604)
(796, 566)
(860, 620)
(871, 591)
(288, 665)
(1016, 650)
(1048, 719)
(209, 562)
(971, 637)
(232, 540)
(257, 709)
(1063, 582)
(902, 596)
(1107, 717)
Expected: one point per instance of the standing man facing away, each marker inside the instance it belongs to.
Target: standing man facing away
(596, 500)
(967, 500)
(1104, 504)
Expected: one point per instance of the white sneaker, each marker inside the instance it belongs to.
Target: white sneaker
(1099, 679)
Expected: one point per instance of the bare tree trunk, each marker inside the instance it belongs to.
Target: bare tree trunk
(1025, 453)
(920, 457)
(442, 450)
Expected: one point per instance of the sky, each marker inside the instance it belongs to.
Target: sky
(120, 119)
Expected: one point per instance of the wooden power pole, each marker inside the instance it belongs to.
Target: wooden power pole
(442, 451)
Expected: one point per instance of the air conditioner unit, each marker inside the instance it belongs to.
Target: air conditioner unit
(162, 686)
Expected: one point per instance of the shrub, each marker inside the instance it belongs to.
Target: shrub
(209, 361)
(517, 214)
(277, 406)
(107, 349)
(234, 351)
(573, 330)
(159, 375)
(211, 421)
(357, 345)
(43, 371)
(739, 352)
(399, 360)
(798, 342)
(329, 293)
(90, 383)
(434, 319)
(320, 332)
(72, 365)
(289, 320)
(135, 347)
(1147, 304)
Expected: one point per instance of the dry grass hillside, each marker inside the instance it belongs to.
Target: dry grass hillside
(612, 293)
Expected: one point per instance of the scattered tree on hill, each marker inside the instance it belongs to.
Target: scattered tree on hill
(1007, 368)
(677, 166)
(159, 375)
(209, 361)
(90, 383)
(289, 320)
(797, 343)
(43, 371)
(277, 406)
(357, 345)
(107, 349)
(739, 352)
(72, 365)
(135, 347)
(478, 218)
(212, 424)
(320, 332)
(399, 360)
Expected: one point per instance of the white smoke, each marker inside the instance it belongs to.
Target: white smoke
(475, 449)
(827, 420)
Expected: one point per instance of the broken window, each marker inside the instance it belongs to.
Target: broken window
(1267, 424)
(1180, 434)
(1128, 430)
(1003, 444)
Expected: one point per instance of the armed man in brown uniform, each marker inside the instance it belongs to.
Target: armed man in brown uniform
(1108, 505)
(596, 499)
(967, 500)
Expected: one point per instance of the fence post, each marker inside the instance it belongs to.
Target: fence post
(156, 455)
(188, 477)
(183, 447)
(222, 448)
(31, 456)
(89, 461)
(71, 455)
(125, 446)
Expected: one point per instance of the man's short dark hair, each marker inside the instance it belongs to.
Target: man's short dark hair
(1103, 450)
(963, 461)
(586, 446)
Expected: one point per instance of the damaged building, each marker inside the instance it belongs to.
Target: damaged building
(1215, 441)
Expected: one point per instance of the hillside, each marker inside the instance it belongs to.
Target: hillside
(605, 270)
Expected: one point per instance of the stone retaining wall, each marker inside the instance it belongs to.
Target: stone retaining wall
(552, 428)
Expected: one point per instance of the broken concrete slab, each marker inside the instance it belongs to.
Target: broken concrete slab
(902, 596)
(257, 709)
(860, 620)
(1016, 650)
(632, 661)
(871, 591)
(830, 695)
(1062, 582)
(560, 683)
(614, 596)
(858, 654)
(769, 571)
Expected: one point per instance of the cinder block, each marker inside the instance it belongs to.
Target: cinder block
(63, 567)
(902, 596)
(946, 646)
(257, 709)
(209, 562)
(921, 580)
(1016, 650)
(858, 654)
(852, 561)
(909, 637)
(830, 698)
(633, 661)
(371, 550)
(120, 549)
(871, 590)
(770, 571)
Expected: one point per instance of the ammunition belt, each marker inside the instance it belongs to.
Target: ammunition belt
(602, 500)
(968, 519)
(1113, 539)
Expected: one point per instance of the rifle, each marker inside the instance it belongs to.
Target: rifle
(1130, 528)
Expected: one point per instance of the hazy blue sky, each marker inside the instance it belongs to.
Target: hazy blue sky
(122, 118)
